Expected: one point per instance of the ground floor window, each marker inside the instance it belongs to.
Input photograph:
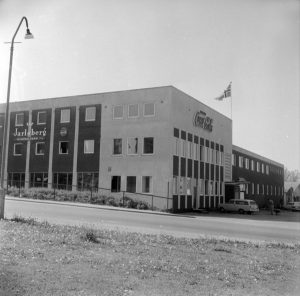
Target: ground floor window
(115, 183)
(87, 181)
(175, 185)
(38, 179)
(16, 180)
(62, 181)
(131, 184)
(146, 184)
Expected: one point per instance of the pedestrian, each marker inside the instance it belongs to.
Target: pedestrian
(271, 205)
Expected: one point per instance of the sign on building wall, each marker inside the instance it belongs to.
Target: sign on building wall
(203, 121)
(29, 132)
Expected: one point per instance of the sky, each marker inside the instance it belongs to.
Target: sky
(198, 46)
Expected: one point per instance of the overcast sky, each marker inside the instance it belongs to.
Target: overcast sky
(198, 46)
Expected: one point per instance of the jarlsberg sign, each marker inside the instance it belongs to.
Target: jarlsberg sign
(30, 133)
(203, 121)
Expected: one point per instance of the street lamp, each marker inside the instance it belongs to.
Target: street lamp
(28, 35)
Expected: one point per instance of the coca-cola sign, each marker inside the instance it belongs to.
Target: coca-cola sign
(203, 121)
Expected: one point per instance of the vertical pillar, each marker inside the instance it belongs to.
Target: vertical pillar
(6, 153)
(50, 173)
(27, 176)
(74, 179)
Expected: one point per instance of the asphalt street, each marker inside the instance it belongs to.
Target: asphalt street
(193, 225)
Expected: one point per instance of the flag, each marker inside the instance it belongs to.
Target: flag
(225, 94)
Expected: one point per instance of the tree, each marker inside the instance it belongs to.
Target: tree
(291, 176)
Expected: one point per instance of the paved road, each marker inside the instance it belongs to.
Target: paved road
(147, 222)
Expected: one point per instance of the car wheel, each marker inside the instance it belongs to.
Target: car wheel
(222, 210)
(241, 211)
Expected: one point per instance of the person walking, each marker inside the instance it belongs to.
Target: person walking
(271, 205)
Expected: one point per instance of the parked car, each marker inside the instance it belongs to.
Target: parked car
(292, 206)
(239, 205)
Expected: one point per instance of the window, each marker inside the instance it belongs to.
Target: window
(18, 148)
(240, 161)
(118, 112)
(207, 156)
(183, 145)
(247, 163)
(189, 149)
(212, 156)
(41, 117)
(263, 189)
(87, 181)
(133, 111)
(267, 189)
(252, 189)
(233, 159)
(131, 184)
(217, 157)
(89, 146)
(258, 167)
(117, 150)
(222, 158)
(247, 188)
(175, 185)
(40, 148)
(90, 113)
(267, 170)
(132, 146)
(63, 147)
(62, 181)
(149, 109)
(19, 119)
(146, 184)
(257, 189)
(176, 146)
(148, 146)
(252, 165)
(262, 168)
(39, 180)
(201, 153)
(115, 183)
(64, 115)
(195, 151)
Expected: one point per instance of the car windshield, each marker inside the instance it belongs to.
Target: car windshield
(252, 202)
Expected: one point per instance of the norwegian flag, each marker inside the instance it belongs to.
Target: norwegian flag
(225, 94)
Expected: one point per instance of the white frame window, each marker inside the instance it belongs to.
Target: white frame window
(240, 161)
(176, 146)
(117, 146)
(133, 110)
(65, 115)
(144, 146)
(233, 159)
(36, 148)
(149, 114)
(39, 120)
(258, 166)
(132, 146)
(252, 165)
(267, 170)
(116, 110)
(257, 189)
(60, 147)
(90, 113)
(22, 116)
(16, 145)
(89, 146)
(147, 184)
(133, 184)
(247, 163)
(262, 168)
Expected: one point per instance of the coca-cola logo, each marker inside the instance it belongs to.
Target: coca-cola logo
(203, 121)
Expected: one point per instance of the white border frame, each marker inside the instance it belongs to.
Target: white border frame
(15, 144)
(138, 111)
(22, 113)
(151, 185)
(84, 152)
(137, 146)
(38, 118)
(59, 148)
(90, 107)
(113, 145)
(36, 148)
(64, 109)
(143, 147)
(144, 106)
(113, 112)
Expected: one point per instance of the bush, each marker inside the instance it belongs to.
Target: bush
(43, 193)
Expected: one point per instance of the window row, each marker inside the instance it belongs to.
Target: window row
(133, 111)
(197, 152)
(133, 146)
(262, 189)
(184, 186)
(131, 184)
(65, 115)
(64, 147)
(244, 162)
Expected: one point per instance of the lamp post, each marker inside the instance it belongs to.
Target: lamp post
(28, 35)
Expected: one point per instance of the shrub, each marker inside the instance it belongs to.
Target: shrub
(20, 219)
